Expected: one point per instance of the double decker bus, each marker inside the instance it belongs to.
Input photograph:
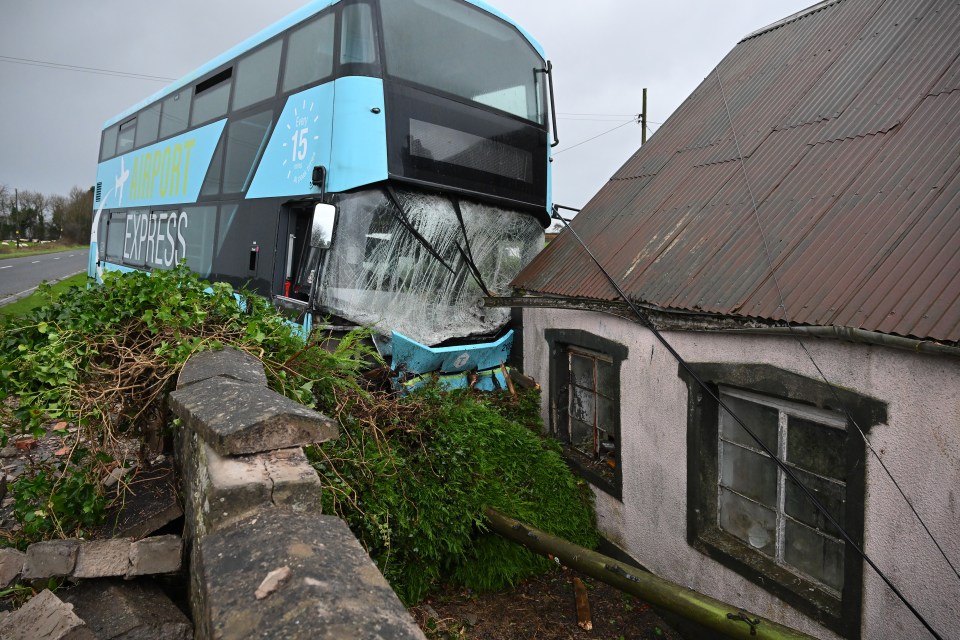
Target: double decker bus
(373, 162)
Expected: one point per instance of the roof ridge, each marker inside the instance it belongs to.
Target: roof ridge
(792, 18)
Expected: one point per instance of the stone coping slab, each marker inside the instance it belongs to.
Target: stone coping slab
(227, 362)
(281, 574)
(237, 418)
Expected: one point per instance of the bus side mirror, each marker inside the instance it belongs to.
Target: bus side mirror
(321, 233)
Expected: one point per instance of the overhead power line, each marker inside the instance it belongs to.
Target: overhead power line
(634, 119)
(82, 69)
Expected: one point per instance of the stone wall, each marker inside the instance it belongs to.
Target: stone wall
(264, 561)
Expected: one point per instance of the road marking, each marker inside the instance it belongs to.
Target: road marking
(35, 262)
(26, 292)
(57, 258)
(6, 267)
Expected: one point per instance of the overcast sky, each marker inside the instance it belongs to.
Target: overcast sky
(604, 52)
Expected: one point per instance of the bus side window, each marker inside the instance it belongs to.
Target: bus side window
(108, 146)
(309, 53)
(147, 124)
(257, 76)
(176, 110)
(211, 98)
(125, 139)
(358, 44)
(245, 140)
(116, 231)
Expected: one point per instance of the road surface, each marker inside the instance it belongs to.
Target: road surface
(20, 276)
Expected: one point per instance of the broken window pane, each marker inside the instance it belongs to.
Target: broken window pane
(378, 273)
(581, 436)
(749, 521)
(582, 404)
(581, 370)
(752, 474)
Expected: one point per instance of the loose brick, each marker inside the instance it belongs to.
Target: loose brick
(103, 558)
(52, 559)
(160, 554)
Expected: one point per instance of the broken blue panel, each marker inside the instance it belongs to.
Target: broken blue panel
(489, 380)
(412, 357)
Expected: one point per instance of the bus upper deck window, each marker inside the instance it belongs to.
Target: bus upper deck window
(108, 146)
(147, 124)
(176, 110)
(309, 53)
(358, 44)
(211, 98)
(125, 139)
(257, 76)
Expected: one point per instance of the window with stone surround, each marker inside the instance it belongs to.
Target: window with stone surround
(744, 511)
(585, 404)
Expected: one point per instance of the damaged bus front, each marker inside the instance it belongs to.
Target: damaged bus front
(415, 266)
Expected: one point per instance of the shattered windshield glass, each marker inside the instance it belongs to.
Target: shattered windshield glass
(379, 273)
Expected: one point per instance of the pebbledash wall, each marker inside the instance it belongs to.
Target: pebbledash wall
(919, 441)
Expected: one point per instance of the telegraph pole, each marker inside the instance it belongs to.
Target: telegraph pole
(643, 119)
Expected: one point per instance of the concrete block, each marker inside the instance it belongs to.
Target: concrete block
(11, 564)
(103, 558)
(295, 482)
(159, 554)
(224, 489)
(51, 559)
(237, 418)
(331, 588)
(128, 610)
(227, 362)
(44, 617)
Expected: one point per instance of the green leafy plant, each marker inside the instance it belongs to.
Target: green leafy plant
(103, 358)
(410, 475)
(413, 481)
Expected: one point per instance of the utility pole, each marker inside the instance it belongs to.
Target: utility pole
(643, 119)
(16, 214)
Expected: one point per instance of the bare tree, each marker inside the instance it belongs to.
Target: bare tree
(5, 201)
(74, 215)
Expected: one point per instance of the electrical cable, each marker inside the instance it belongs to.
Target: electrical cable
(95, 70)
(648, 324)
(786, 317)
(632, 120)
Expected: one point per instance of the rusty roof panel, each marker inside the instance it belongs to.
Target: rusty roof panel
(950, 80)
(848, 118)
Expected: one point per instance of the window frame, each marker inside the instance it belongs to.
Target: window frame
(560, 341)
(840, 614)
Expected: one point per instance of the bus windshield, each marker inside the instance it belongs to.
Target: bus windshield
(379, 273)
(456, 48)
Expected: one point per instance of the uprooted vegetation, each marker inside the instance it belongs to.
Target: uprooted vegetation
(410, 475)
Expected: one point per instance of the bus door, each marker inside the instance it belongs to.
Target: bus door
(310, 232)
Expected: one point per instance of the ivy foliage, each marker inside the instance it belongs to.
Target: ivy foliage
(414, 488)
(411, 475)
(102, 358)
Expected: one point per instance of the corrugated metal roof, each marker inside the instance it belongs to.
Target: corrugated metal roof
(848, 119)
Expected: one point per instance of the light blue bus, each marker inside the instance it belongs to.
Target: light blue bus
(370, 162)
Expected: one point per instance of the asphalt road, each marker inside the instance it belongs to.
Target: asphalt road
(20, 276)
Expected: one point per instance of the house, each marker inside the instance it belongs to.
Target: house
(793, 232)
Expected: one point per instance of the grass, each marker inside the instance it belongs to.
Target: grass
(8, 248)
(23, 305)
